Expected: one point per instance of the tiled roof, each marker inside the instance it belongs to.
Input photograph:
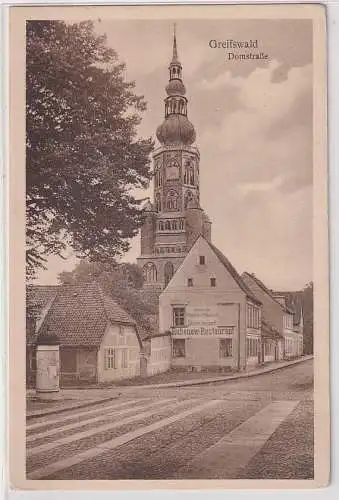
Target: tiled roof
(268, 331)
(266, 290)
(38, 296)
(294, 302)
(80, 314)
(234, 273)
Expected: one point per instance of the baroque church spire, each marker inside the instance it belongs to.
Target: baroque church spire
(175, 50)
(176, 128)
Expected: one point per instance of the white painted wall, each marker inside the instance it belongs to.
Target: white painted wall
(128, 340)
(161, 354)
(201, 294)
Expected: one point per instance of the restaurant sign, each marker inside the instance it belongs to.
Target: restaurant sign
(202, 331)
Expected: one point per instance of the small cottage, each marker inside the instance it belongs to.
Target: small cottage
(99, 341)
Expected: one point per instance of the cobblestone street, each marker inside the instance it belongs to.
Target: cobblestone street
(260, 427)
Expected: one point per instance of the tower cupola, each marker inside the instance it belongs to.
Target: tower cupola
(176, 128)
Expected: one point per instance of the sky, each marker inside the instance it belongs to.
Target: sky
(253, 121)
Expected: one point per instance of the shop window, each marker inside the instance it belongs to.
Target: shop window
(178, 316)
(252, 347)
(110, 358)
(190, 282)
(179, 348)
(202, 260)
(124, 358)
(213, 282)
(225, 348)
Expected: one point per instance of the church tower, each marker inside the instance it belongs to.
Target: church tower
(175, 218)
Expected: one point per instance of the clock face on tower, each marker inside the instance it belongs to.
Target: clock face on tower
(172, 169)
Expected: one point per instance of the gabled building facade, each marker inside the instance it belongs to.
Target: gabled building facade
(213, 318)
(278, 315)
(175, 218)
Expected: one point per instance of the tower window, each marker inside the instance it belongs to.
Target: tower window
(158, 202)
(202, 260)
(213, 282)
(172, 201)
(150, 272)
(189, 282)
(169, 271)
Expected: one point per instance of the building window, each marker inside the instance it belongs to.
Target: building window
(179, 348)
(178, 316)
(253, 316)
(213, 282)
(225, 348)
(124, 358)
(202, 260)
(110, 358)
(252, 347)
(189, 282)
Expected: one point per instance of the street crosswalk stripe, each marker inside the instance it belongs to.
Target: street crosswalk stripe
(233, 452)
(34, 450)
(104, 413)
(118, 441)
(77, 414)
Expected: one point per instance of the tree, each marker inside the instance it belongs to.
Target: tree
(83, 157)
(122, 282)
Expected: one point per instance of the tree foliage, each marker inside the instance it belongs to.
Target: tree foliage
(83, 156)
(122, 282)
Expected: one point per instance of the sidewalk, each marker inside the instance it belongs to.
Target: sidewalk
(68, 399)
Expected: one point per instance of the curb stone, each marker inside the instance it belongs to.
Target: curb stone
(187, 383)
(46, 413)
(224, 379)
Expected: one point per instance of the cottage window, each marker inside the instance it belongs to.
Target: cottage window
(189, 282)
(202, 260)
(178, 316)
(179, 348)
(225, 348)
(124, 358)
(110, 358)
(213, 282)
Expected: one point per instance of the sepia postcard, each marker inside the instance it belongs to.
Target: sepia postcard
(168, 248)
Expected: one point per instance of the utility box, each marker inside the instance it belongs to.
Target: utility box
(48, 365)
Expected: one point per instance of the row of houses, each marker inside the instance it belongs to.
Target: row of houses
(210, 318)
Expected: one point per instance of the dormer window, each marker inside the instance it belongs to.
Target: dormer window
(189, 282)
(213, 282)
(202, 260)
